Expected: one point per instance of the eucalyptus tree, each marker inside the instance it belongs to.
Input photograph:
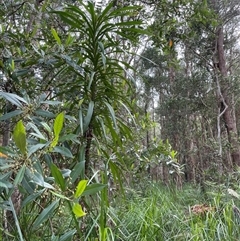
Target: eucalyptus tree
(198, 89)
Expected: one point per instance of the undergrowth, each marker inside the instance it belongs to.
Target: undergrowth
(161, 213)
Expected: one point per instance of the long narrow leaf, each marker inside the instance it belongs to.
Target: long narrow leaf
(45, 214)
(13, 98)
(58, 177)
(88, 118)
(93, 189)
(11, 114)
(20, 175)
(55, 35)
(112, 113)
(16, 219)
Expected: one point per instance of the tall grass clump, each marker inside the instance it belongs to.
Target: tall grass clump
(161, 213)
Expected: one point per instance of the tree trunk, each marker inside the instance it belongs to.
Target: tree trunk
(226, 100)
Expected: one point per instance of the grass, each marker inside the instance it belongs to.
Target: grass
(163, 214)
(156, 213)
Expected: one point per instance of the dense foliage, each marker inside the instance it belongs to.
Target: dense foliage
(94, 95)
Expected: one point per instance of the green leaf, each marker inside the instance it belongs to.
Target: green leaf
(5, 184)
(58, 124)
(112, 113)
(77, 171)
(88, 118)
(38, 179)
(70, 137)
(19, 176)
(33, 149)
(45, 214)
(45, 113)
(63, 150)
(57, 127)
(13, 98)
(58, 177)
(37, 132)
(81, 121)
(32, 197)
(15, 219)
(50, 102)
(91, 80)
(117, 173)
(11, 114)
(77, 210)
(55, 35)
(93, 189)
(60, 195)
(80, 188)
(19, 136)
(67, 236)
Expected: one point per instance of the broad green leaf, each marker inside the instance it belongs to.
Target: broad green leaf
(58, 124)
(77, 210)
(19, 176)
(58, 177)
(93, 189)
(63, 150)
(80, 188)
(55, 35)
(11, 114)
(45, 214)
(19, 136)
(57, 127)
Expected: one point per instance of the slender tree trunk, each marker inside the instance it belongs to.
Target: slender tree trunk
(229, 111)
